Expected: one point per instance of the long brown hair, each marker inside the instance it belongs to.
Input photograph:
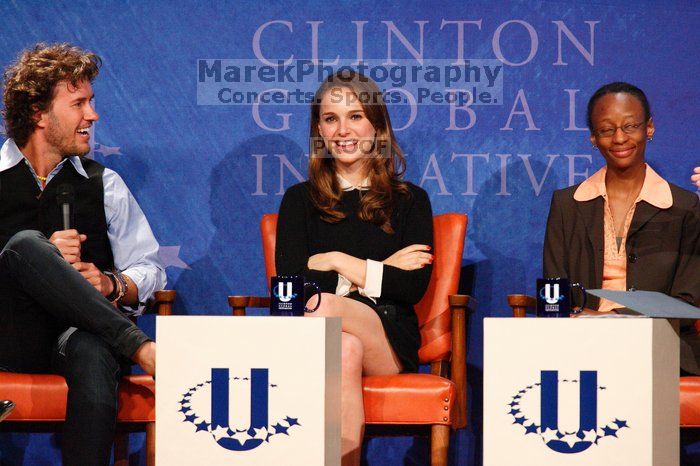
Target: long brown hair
(386, 163)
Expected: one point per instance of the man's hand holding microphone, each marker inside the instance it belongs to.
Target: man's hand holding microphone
(68, 242)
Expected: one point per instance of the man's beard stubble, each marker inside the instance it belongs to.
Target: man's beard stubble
(56, 138)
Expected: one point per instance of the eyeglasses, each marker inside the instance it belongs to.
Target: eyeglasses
(627, 129)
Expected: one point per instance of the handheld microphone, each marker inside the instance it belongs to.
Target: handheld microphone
(65, 197)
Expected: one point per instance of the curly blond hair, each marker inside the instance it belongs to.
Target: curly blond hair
(29, 83)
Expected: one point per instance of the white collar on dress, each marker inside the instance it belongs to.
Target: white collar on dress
(345, 185)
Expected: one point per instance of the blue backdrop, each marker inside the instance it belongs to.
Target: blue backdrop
(205, 174)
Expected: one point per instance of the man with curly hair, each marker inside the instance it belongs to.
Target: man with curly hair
(63, 288)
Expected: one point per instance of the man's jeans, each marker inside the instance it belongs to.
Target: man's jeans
(41, 295)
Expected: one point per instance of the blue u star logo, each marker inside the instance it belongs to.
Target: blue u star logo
(231, 437)
(588, 432)
(588, 411)
(258, 407)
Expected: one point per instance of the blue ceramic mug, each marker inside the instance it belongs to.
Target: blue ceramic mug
(287, 295)
(554, 297)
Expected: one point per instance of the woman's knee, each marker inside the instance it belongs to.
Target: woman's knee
(327, 308)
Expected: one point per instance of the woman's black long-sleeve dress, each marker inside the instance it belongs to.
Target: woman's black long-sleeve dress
(302, 233)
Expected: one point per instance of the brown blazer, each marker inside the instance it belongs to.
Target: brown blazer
(663, 247)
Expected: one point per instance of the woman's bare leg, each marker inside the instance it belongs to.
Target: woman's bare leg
(365, 350)
(352, 415)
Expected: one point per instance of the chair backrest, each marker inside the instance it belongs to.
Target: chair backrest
(268, 232)
(433, 311)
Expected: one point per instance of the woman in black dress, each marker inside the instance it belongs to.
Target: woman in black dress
(363, 235)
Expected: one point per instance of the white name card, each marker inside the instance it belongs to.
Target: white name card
(249, 391)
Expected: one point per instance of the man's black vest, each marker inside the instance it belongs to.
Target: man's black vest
(23, 206)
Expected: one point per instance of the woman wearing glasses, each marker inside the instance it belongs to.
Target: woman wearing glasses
(625, 227)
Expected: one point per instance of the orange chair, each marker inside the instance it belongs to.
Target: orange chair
(40, 401)
(689, 386)
(690, 397)
(405, 401)
(690, 401)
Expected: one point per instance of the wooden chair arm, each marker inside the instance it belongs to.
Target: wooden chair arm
(460, 306)
(520, 303)
(239, 304)
(162, 302)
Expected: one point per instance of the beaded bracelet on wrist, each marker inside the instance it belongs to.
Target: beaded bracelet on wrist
(120, 286)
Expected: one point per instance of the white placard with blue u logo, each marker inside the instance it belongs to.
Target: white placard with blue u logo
(587, 391)
(250, 391)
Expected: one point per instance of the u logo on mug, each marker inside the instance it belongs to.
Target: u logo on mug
(554, 297)
(551, 293)
(281, 294)
(287, 295)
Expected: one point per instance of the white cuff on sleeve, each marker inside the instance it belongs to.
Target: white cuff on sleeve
(343, 286)
(374, 273)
